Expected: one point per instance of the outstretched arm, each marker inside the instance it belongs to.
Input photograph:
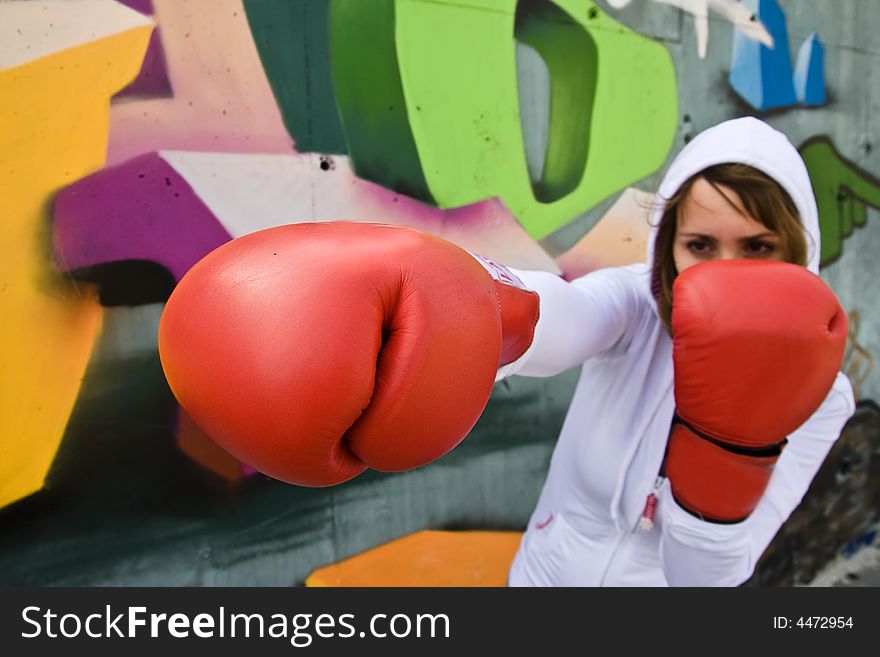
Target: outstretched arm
(578, 319)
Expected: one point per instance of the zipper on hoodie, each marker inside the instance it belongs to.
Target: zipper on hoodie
(646, 522)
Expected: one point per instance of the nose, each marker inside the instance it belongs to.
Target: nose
(727, 253)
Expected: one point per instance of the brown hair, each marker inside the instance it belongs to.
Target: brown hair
(764, 200)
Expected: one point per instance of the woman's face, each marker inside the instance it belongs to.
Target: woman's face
(710, 228)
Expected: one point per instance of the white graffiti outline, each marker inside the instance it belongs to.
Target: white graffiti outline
(742, 18)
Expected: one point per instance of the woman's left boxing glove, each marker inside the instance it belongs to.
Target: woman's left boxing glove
(756, 346)
(313, 351)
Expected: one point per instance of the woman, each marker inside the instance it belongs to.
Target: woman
(392, 339)
(738, 190)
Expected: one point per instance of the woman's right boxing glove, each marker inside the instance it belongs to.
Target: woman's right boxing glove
(313, 351)
(757, 346)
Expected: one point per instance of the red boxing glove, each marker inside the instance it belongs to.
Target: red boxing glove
(313, 351)
(757, 346)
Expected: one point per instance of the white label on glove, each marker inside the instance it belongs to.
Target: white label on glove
(500, 273)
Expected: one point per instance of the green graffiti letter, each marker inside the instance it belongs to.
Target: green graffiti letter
(427, 92)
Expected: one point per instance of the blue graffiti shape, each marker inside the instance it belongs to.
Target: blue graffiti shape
(809, 72)
(762, 76)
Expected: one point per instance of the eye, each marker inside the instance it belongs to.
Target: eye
(760, 248)
(698, 247)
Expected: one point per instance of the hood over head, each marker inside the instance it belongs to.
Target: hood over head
(747, 141)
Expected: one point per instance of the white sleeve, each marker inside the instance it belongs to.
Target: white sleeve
(698, 553)
(800, 461)
(577, 320)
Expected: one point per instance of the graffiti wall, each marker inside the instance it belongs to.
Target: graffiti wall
(138, 135)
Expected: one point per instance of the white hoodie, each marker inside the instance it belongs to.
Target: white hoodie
(584, 530)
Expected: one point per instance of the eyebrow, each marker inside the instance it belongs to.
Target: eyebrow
(744, 239)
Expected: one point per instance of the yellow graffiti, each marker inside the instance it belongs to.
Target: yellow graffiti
(53, 130)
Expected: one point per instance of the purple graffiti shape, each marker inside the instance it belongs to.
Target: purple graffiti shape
(143, 6)
(152, 81)
(140, 210)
